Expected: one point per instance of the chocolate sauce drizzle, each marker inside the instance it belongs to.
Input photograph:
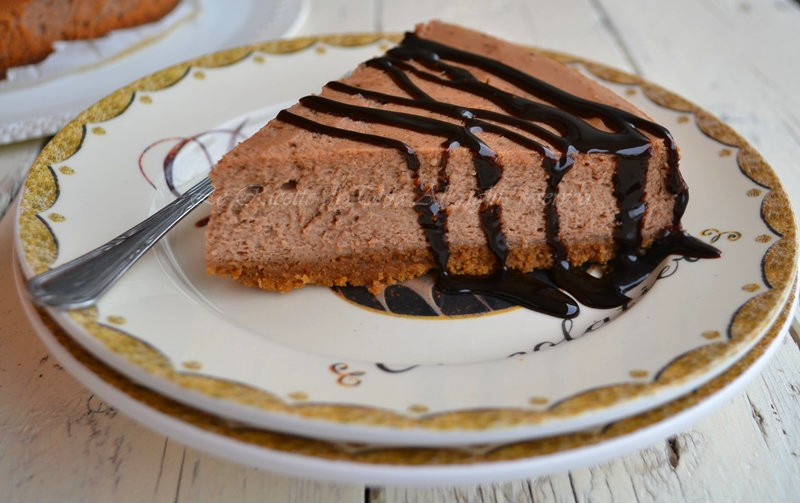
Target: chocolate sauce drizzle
(550, 291)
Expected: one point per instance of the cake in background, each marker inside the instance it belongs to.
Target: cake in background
(28, 28)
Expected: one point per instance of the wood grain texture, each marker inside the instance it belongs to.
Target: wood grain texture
(342, 16)
(16, 159)
(736, 59)
(542, 24)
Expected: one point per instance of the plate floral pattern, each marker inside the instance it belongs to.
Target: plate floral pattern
(311, 361)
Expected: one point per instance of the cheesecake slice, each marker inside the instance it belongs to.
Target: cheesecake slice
(502, 171)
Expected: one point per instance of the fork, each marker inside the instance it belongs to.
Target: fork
(81, 281)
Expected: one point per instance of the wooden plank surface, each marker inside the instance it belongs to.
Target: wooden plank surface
(736, 59)
(541, 24)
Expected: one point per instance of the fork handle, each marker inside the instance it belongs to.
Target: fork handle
(79, 282)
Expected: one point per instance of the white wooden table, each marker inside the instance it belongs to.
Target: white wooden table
(739, 60)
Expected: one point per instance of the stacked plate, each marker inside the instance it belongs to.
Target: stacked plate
(388, 389)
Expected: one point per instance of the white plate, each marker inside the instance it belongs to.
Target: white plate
(43, 109)
(382, 465)
(311, 363)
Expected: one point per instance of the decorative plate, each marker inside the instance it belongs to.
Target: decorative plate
(315, 361)
(44, 107)
(386, 465)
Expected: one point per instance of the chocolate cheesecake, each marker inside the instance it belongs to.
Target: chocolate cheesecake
(502, 171)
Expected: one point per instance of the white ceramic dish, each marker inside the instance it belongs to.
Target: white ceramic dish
(379, 465)
(310, 362)
(44, 108)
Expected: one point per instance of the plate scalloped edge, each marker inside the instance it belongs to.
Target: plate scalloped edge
(37, 247)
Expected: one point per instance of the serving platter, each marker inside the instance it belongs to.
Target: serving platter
(314, 362)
